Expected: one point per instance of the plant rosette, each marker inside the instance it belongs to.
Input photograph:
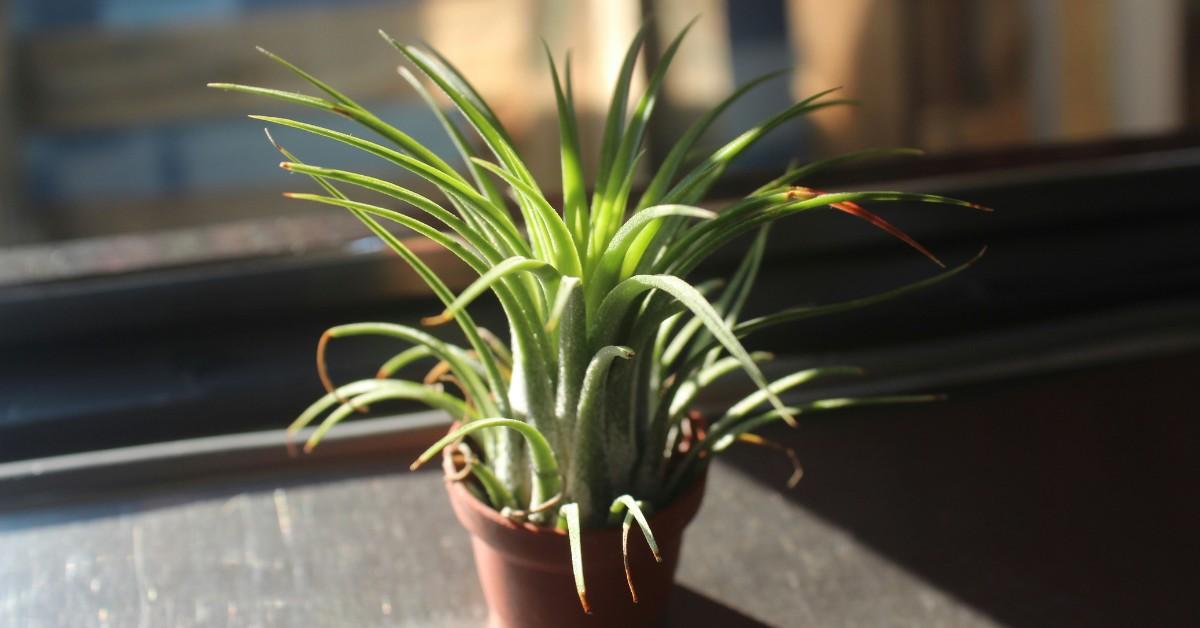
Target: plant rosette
(575, 425)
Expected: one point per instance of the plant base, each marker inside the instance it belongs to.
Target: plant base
(526, 576)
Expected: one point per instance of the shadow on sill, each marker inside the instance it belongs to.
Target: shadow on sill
(692, 608)
(1052, 501)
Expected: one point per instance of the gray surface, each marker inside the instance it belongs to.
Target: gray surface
(383, 549)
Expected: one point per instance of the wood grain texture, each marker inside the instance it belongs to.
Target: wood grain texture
(383, 549)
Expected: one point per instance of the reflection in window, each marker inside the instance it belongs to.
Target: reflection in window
(111, 132)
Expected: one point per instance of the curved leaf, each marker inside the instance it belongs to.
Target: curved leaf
(564, 253)
(717, 442)
(689, 387)
(780, 386)
(488, 404)
(444, 351)
(619, 253)
(401, 360)
(590, 462)
(456, 137)
(453, 186)
(496, 273)
(617, 302)
(615, 190)
(696, 183)
(320, 406)
(545, 465)
(750, 326)
(498, 496)
(633, 510)
(683, 146)
(391, 389)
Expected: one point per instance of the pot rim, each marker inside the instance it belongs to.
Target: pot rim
(683, 501)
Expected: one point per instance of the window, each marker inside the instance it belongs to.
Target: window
(140, 217)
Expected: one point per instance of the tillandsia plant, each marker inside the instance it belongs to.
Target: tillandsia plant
(578, 419)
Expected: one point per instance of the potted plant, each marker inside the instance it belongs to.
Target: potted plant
(577, 428)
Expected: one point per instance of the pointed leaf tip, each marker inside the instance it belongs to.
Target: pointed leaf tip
(570, 513)
(858, 211)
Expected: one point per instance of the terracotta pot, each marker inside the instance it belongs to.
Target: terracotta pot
(526, 573)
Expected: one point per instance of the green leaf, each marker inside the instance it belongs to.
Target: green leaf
(513, 300)
(391, 389)
(620, 255)
(796, 174)
(689, 387)
(450, 244)
(444, 351)
(401, 360)
(322, 405)
(498, 496)
(697, 182)
(616, 304)
(590, 463)
(701, 240)
(355, 113)
(463, 147)
(569, 312)
(780, 386)
(278, 94)
(683, 146)
(729, 304)
(570, 513)
(620, 175)
(454, 187)
(491, 130)
(468, 102)
(633, 510)
(562, 300)
(563, 254)
(547, 482)
(720, 440)
(592, 391)
(508, 267)
(734, 297)
(614, 126)
(387, 188)
(811, 311)
(489, 404)
(333, 93)
(575, 211)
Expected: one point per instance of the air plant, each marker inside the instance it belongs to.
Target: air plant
(578, 419)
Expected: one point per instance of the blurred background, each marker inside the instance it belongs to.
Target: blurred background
(109, 132)
(156, 288)
(148, 264)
